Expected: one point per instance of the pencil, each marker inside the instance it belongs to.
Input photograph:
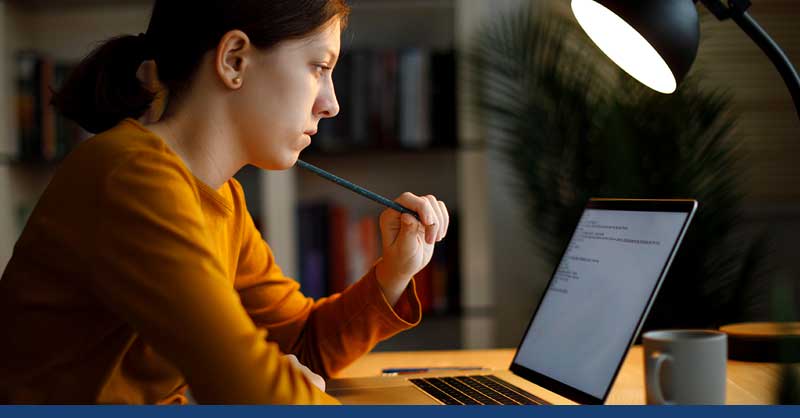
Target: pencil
(413, 370)
(356, 188)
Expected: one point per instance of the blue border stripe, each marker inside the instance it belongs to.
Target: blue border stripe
(398, 411)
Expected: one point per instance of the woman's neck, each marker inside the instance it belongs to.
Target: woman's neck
(204, 143)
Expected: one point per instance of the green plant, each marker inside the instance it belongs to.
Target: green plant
(573, 126)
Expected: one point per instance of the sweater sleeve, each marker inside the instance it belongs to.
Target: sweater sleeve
(328, 334)
(154, 267)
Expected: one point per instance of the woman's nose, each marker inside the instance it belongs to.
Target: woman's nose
(327, 105)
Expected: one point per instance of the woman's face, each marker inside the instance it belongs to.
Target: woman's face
(285, 94)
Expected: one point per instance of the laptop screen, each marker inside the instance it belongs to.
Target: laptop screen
(600, 292)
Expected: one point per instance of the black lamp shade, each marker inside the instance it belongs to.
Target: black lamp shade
(671, 27)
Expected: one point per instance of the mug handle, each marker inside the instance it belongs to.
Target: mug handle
(655, 361)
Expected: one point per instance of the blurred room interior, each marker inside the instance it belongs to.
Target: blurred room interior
(407, 86)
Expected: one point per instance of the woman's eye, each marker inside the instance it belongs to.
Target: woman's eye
(321, 68)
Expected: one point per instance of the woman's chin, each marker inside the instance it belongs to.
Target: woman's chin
(279, 164)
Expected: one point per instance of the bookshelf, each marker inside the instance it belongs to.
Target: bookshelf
(454, 172)
(39, 26)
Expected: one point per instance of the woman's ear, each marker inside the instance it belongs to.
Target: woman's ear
(233, 58)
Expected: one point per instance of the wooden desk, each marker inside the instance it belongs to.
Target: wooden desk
(748, 383)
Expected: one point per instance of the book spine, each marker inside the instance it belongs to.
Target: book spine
(313, 250)
(391, 98)
(337, 242)
(359, 111)
(43, 135)
(443, 99)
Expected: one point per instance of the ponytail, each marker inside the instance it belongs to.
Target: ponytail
(103, 89)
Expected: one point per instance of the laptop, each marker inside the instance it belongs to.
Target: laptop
(586, 320)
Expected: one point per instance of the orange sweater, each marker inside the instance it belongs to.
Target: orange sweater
(132, 278)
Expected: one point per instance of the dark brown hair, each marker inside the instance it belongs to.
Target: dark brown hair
(103, 89)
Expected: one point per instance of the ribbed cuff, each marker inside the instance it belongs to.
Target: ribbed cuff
(405, 314)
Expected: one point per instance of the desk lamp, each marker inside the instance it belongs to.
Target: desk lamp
(655, 41)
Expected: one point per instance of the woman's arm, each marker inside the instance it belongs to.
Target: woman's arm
(154, 267)
(327, 334)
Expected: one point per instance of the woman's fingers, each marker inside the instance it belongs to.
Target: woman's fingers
(420, 205)
(433, 214)
(423, 208)
(426, 212)
(439, 217)
(446, 216)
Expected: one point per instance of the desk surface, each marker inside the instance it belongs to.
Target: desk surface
(748, 383)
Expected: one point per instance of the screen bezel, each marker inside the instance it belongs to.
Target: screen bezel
(687, 206)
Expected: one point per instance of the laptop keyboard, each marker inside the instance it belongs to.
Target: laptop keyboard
(475, 390)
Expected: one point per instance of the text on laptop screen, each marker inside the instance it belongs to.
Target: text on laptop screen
(597, 296)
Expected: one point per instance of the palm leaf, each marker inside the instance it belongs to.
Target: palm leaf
(573, 126)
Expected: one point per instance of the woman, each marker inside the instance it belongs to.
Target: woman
(140, 270)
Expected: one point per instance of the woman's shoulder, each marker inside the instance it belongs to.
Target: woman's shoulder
(127, 156)
(127, 138)
(110, 150)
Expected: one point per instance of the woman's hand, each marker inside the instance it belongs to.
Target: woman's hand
(312, 377)
(408, 243)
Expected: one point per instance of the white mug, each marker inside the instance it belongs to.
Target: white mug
(685, 367)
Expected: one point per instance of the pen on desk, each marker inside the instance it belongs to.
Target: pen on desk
(356, 188)
(410, 370)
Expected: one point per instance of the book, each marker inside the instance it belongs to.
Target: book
(342, 79)
(338, 245)
(334, 251)
(443, 75)
(359, 127)
(414, 129)
(387, 98)
(337, 249)
(313, 249)
(43, 135)
(364, 246)
(391, 99)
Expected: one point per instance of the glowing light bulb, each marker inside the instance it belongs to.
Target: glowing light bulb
(624, 45)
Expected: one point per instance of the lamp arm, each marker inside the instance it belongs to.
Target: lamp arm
(737, 11)
(774, 52)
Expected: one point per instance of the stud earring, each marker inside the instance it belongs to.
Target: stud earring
(237, 80)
